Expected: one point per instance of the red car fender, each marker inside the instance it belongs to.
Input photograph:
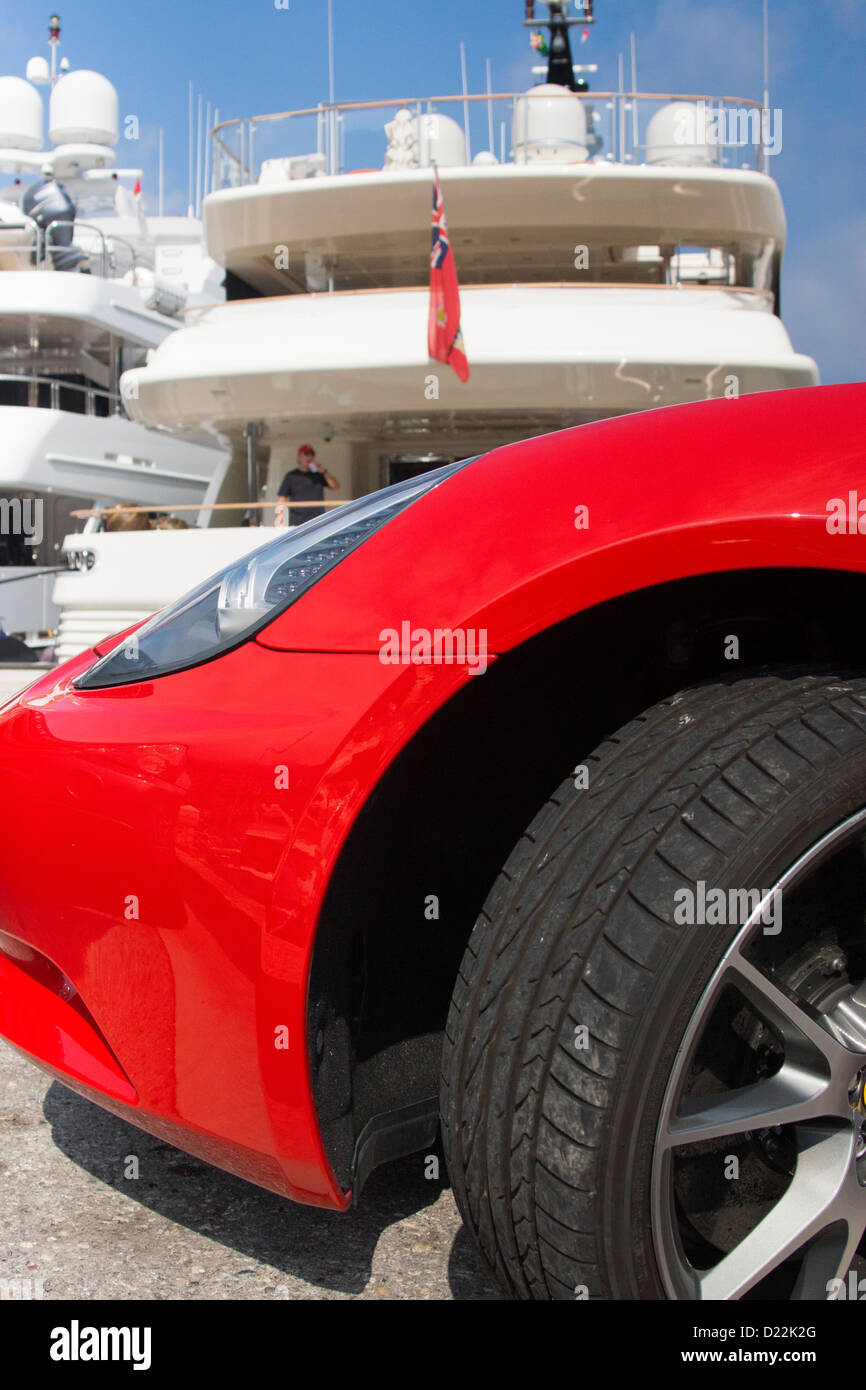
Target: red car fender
(194, 1008)
(537, 531)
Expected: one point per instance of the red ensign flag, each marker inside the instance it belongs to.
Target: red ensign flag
(444, 338)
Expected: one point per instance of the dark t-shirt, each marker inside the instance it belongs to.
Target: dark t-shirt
(301, 486)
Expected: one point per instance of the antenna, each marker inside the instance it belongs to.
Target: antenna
(190, 210)
(54, 42)
(465, 101)
(766, 55)
(331, 52)
(560, 67)
(207, 130)
(490, 104)
(634, 89)
(198, 159)
(160, 182)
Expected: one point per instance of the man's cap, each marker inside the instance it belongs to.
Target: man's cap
(306, 449)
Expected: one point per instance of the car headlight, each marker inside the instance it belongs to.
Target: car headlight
(232, 606)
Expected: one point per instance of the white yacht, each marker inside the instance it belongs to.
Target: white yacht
(616, 251)
(89, 286)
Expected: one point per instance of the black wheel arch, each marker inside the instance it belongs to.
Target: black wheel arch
(427, 846)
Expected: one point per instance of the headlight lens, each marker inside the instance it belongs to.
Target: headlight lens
(232, 606)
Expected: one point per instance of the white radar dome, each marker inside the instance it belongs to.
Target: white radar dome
(38, 71)
(83, 110)
(550, 126)
(20, 115)
(677, 134)
(441, 140)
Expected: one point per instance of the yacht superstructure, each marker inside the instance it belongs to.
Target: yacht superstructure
(89, 286)
(616, 251)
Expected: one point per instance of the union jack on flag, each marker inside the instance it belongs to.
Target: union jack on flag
(444, 338)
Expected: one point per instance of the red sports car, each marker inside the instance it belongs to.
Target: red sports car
(524, 801)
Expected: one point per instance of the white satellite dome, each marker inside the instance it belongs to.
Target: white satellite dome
(441, 140)
(677, 134)
(20, 115)
(550, 126)
(38, 71)
(83, 110)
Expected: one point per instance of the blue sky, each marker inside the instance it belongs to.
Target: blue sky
(250, 57)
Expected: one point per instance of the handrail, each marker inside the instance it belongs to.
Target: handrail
(42, 246)
(120, 510)
(36, 574)
(480, 96)
(56, 385)
(623, 145)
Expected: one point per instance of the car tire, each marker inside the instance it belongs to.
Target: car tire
(575, 1032)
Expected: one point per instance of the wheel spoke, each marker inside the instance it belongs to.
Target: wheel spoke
(822, 1193)
(793, 1095)
(806, 1035)
(811, 1234)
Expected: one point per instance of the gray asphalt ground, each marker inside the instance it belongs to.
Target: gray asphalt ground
(184, 1230)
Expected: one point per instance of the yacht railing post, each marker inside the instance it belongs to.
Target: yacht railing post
(252, 430)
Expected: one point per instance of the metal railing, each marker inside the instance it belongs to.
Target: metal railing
(55, 385)
(345, 137)
(96, 517)
(105, 262)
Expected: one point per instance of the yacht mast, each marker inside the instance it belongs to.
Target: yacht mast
(560, 66)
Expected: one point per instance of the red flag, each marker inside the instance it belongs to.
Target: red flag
(136, 192)
(444, 338)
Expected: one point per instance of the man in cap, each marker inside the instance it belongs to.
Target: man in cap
(305, 483)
